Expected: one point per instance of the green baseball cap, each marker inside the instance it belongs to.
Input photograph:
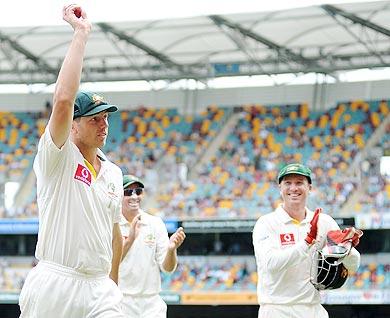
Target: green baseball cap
(88, 104)
(294, 168)
(129, 179)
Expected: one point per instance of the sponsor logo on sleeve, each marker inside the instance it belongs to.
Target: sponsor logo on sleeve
(83, 174)
(287, 239)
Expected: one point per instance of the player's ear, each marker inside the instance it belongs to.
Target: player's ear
(73, 128)
(74, 125)
(310, 187)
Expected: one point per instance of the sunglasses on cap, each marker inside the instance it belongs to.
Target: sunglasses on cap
(129, 192)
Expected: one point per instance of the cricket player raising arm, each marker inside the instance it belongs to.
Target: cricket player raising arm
(79, 199)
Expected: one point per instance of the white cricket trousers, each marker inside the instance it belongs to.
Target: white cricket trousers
(151, 306)
(292, 311)
(52, 290)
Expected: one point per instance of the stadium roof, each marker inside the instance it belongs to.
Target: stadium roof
(325, 39)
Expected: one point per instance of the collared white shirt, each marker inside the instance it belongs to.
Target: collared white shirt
(76, 211)
(284, 259)
(139, 272)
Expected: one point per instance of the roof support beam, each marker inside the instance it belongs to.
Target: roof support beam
(105, 27)
(332, 10)
(39, 62)
(126, 74)
(282, 50)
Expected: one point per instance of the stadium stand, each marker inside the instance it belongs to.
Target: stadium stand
(151, 137)
(19, 134)
(203, 169)
(214, 172)
(239, 180)
(375, 194)
(211, 273)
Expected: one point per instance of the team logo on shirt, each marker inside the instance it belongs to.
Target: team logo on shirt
(287, 239)
(83, 174)
(150, 239)
(111, 190)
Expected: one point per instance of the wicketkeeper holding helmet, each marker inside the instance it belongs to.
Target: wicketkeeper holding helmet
(289, 241)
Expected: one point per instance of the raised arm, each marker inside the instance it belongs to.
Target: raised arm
(68, 80)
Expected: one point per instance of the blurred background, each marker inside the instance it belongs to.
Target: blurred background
(212, 105)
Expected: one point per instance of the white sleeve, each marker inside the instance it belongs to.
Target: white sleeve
(162, 242)
(49, 156)
(269, 256)
(118, 211)
(124, 229)
(352, 260)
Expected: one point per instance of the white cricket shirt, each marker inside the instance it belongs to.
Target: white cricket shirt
(76, 211)
(284, 259)
(139, 272)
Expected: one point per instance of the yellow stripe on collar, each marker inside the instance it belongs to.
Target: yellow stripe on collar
(295, 222)
(91, 168)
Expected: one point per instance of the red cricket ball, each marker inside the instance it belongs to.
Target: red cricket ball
(77, 12)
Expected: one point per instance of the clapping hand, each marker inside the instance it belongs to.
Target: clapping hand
(177, 239)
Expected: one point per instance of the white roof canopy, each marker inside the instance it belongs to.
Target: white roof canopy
(325, 39)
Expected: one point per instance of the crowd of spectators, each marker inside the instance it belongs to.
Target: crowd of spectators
(218, 273)
(163, 146)
(375, 176)
(240, 180)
